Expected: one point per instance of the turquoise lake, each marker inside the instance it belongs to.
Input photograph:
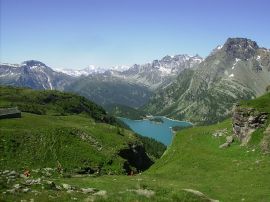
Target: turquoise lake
(160, 131)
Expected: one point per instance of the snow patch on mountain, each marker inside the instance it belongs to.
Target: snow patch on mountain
(10, 65)
(33, 74)
(91, 69)
(235, 63)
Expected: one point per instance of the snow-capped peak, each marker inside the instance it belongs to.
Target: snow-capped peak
(219, 47)
(91, 69)
(32, 63)
(120, 68)
(10, 65)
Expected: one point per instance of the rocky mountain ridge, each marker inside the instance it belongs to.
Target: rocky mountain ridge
(246, 121)
(151, 75)
(33, 74)
(131, 87)
(237, 70)
(160, 72)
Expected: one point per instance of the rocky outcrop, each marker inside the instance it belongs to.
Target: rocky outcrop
(8, 113)
(240, 48)
(137, 159)
(229, 141)
(199, 194)
(245, 121)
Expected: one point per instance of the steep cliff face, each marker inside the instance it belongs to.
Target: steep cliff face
(246, 121)
(136, 158)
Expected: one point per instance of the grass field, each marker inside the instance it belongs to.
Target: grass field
(35, 141)
(193, 161)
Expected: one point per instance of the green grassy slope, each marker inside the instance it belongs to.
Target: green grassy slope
(262, 103)
(51, 103)
(233, 174)
(61, 128)
(77, 142)
(193, 161)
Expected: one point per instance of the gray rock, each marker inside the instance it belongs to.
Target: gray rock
(246, 121)
(17, 186)
(58, 187)
(100, 193)
(225, 145)
(88, 190)
(70, 191)
(48, 169)
(26, 190)
(220, 133)
(13, 173)
(33, 181)
(229, 139)
(200, 194)
(67, 186)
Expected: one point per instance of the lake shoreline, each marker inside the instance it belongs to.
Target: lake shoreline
(148, 118)
(161, 131)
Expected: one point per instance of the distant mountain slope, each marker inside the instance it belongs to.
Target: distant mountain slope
(91, 69)
(33, 74)
(134, 86)
(106, 90)
(125, 111)
(151, 75)
(237, 70)
(131, 87)
(160, 72)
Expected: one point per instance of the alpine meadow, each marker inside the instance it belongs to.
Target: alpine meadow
(134, 101)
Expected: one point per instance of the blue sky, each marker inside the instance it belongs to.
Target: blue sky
(77, 33)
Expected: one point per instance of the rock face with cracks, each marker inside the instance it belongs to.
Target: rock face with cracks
(245, 121)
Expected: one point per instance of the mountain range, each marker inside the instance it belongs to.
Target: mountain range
(239, 69)
(58, 146)
(33, 74)
(181, 86)
(91, 69)
(132, 87)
